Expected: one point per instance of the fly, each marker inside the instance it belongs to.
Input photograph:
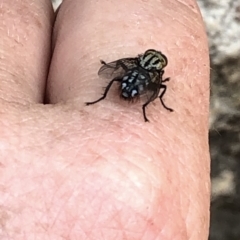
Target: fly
(137, 76)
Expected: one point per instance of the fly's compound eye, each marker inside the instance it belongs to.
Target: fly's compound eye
(163, 60)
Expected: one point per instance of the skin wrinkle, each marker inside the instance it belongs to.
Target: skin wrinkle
(136, 142)
(190, 4)
(171, 13)
(145, 185)
(186, 211)
(135, 179)
(128, 174)
(12, 77)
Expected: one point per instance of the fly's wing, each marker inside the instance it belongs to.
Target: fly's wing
(152, 90)
(117, 68)
(156, 78)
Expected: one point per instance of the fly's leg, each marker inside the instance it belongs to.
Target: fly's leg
(144, 111)
(164, 90)
(118, 64)
(156, 89)
(160, 77)
(162, 94)
(104, 63)
(105, 92)
(154, 96)
(166, 80)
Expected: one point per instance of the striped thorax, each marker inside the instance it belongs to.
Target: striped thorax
(153, 60)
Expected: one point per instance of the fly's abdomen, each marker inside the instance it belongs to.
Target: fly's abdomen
(133, 84)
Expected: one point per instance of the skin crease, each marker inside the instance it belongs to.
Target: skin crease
(70, 171)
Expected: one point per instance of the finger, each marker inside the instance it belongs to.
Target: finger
(25, 30)
(172, 151)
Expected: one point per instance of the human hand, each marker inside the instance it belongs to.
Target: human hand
(70, 171)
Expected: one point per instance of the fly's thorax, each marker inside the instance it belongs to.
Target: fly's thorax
(134, 83)
(153, 60)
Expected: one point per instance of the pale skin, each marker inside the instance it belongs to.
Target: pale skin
(70, 171)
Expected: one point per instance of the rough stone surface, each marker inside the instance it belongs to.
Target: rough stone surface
(222, 20)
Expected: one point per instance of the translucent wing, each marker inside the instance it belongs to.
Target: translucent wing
(157, 77)
(117, 68)
(152, 90)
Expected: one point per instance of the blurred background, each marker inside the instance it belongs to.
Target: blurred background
(222, 20)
